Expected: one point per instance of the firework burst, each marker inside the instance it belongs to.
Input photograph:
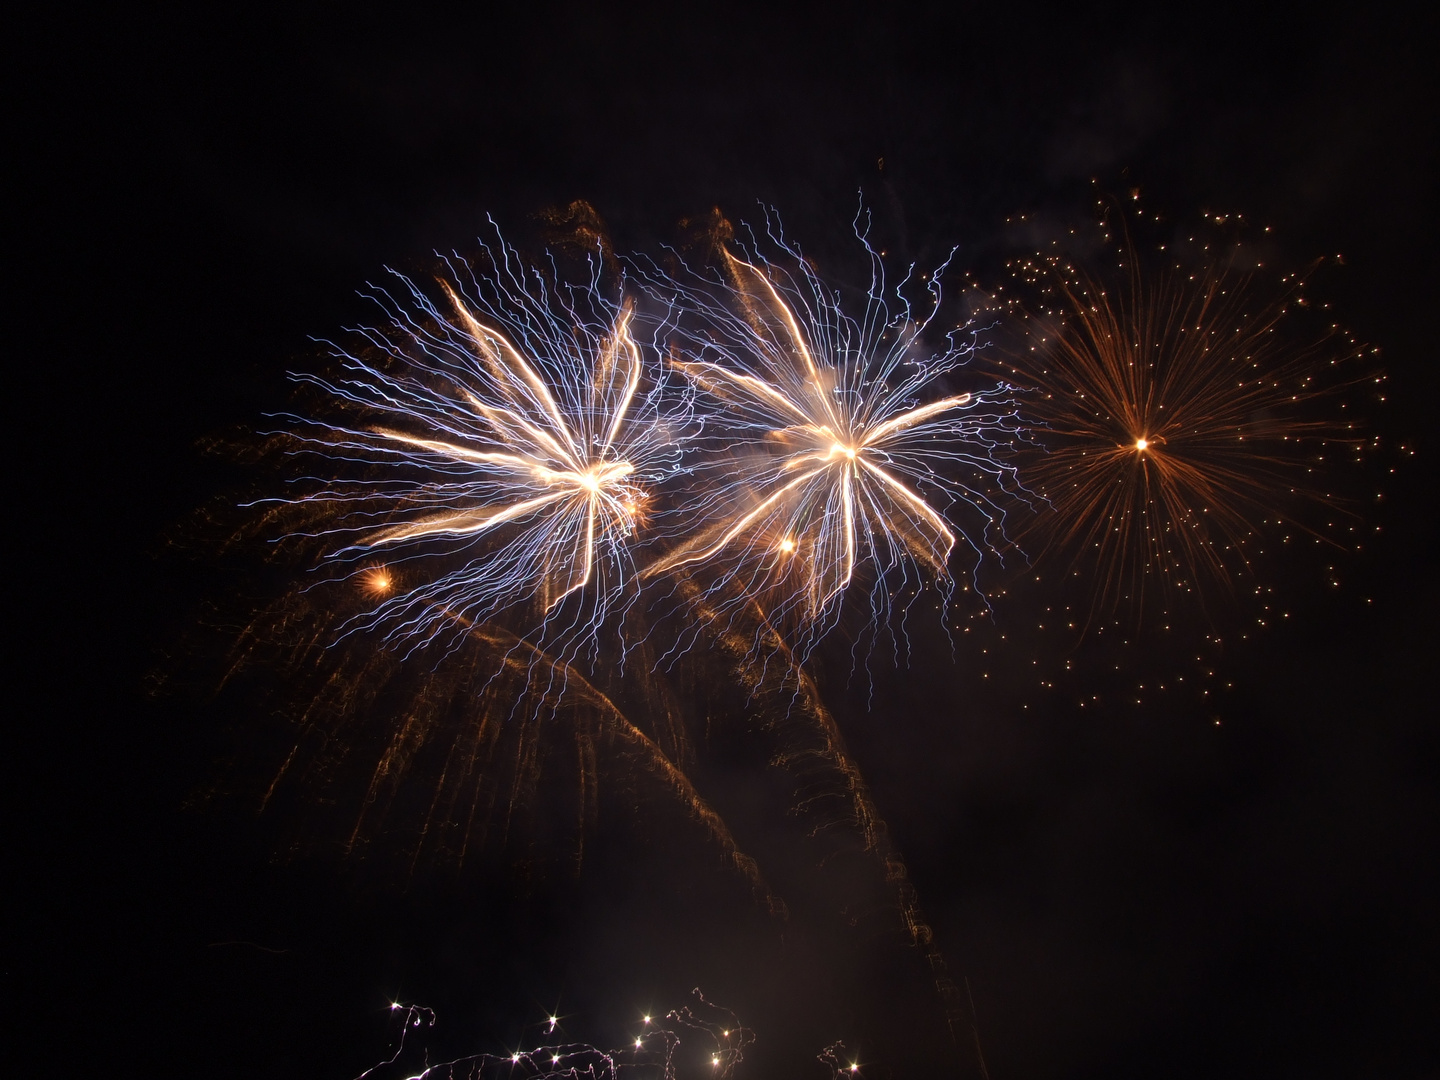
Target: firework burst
(496, 450)
(1185, 400)
(840, 444)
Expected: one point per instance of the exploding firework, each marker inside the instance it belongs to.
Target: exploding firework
(1186, 401)
(446, 755)
(494, 450)
(840, 445)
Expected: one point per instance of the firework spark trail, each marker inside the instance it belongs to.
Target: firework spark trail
(659, 1050)
(831, 448)
(615, 724)
(499, 448)
(788, 700)
(1175, 414)
(453, 723)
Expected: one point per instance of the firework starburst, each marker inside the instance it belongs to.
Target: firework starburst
(840, 442)
(496, 448)
(1185, 401)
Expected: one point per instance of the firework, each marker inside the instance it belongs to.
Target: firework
(839, 443)
(1185, 401)
(703, 1040)
(496, 450)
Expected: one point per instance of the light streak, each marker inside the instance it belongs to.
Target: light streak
(833, 451)
(497, 443)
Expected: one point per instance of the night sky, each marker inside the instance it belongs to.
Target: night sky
(1129, 890)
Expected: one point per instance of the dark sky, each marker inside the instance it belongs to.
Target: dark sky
(1129, 893)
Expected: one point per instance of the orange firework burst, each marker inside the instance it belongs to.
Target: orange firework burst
(1186, 400)
(378, 581)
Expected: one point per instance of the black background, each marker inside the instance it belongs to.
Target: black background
(1128, 894)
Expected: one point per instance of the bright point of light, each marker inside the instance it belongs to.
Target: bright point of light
(637, 1044)
(514, 1058)
(715, 1061)
(787, 545)
(1141, 444)
(647, 1019)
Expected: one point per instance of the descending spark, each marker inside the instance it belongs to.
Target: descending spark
(1179, 411)
(832, 797)
(499, 447)
(827, 458)
(434, 761)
